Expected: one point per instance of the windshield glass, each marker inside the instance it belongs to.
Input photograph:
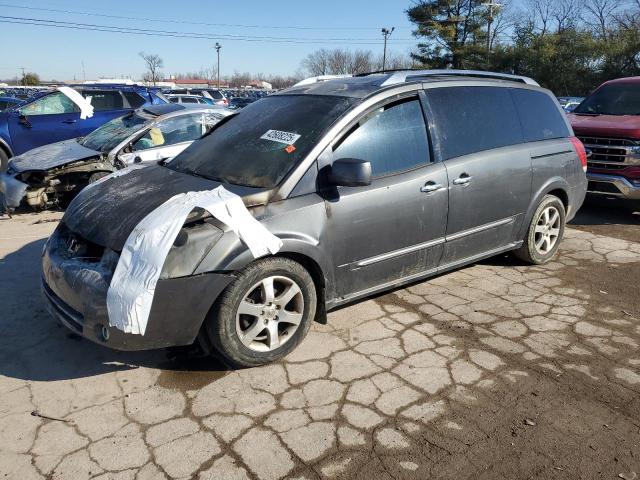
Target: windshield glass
(260, 145)
(109, 135)
(613, 99)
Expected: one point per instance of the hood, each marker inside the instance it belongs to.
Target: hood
(52, 155)
(107, 212)
(622, 126)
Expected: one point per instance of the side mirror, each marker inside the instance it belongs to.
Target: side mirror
(350, 172)
(24, 121)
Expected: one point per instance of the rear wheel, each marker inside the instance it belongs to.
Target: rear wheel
(263, 314)
(545, 232)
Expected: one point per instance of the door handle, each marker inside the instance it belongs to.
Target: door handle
(430, 187)
(463, 179)
(69, 121)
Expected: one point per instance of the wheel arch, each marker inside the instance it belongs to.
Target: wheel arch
(556, 186)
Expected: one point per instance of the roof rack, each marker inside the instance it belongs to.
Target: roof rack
(407, 75)
(319, 78)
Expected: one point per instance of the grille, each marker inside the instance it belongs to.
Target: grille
(611, 153)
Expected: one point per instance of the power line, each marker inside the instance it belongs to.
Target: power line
(179, 34)
(186, 22)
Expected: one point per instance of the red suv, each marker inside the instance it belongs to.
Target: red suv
(608, 123)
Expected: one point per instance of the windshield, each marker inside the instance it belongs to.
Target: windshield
(260, 145)
(109, 135)
(613, 99)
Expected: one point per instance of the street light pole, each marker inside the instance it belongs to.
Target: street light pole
(386, 33)
(218, 47)
(490, 4)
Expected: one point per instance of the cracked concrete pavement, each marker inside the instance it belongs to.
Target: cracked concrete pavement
(495, 371)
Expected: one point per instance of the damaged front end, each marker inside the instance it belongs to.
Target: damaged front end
(55, 187)
(77, 273)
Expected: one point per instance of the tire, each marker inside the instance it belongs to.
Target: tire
(250, 327)
(4, 161)
(545, 232)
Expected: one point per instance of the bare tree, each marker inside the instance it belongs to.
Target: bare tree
(317, 63)
(540, 13)
(154, 63)
(566, 13)
(600, 13)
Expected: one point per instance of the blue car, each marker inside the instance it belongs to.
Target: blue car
(53, 117)
(7, 103)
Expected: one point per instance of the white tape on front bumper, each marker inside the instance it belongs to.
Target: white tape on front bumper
(86, 109)
(133, 285)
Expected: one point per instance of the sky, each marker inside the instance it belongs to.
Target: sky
(295, 29)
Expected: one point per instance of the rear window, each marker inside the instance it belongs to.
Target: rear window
(539, 115)
(106, 100)
(472, 119)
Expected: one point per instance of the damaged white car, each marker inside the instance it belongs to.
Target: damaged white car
(52, 175)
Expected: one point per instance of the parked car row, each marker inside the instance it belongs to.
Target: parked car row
(53, 174)
(282, 211)
(53, 116)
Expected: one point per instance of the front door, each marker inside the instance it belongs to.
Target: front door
(479, 139)
(49, 119)
(395, 227)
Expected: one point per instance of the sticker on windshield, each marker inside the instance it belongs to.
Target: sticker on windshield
(281, 137)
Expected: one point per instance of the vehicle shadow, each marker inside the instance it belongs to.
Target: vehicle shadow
(607, 211)
(35, 347)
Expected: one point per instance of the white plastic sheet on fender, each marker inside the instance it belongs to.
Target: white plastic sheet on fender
(133, 285)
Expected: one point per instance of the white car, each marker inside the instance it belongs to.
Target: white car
(53, 174)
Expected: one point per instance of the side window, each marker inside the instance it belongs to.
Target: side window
(472, 119)
(393, 138)
(189, 100)
(171, 131)
(540, 118)
(52, 104)
(105, 100)
(135, 100)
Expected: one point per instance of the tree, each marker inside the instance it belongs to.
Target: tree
(154, 63)
(452, 30)
(30, 79)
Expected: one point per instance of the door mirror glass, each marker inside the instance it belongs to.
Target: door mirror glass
(350, 172)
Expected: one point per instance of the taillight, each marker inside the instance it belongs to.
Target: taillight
(580, 150)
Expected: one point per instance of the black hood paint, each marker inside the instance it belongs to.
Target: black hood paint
(106, 213)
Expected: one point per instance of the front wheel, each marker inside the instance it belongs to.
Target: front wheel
(263, 314)
(545, 232)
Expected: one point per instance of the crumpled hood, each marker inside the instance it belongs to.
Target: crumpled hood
(107, 212)
(627, 126)
(52, 155)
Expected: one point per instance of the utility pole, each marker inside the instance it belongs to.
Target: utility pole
(218, 47)
(386, 33)
(23, 77)
(84, 74)
(491, 4)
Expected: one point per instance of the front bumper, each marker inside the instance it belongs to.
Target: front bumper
(75, 292)
(12, 189)
(613, 185)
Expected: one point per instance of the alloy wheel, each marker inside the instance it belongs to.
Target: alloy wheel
(547, 230)
(269, 313)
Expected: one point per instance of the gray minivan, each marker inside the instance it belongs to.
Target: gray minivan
(391, 178)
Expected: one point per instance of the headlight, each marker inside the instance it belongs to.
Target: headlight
(192, 244)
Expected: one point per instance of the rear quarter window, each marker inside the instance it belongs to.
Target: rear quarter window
(134, 100)
(472, 119)
(105, 100)
(539, 115)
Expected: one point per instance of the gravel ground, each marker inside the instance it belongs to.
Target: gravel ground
(495, 371)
